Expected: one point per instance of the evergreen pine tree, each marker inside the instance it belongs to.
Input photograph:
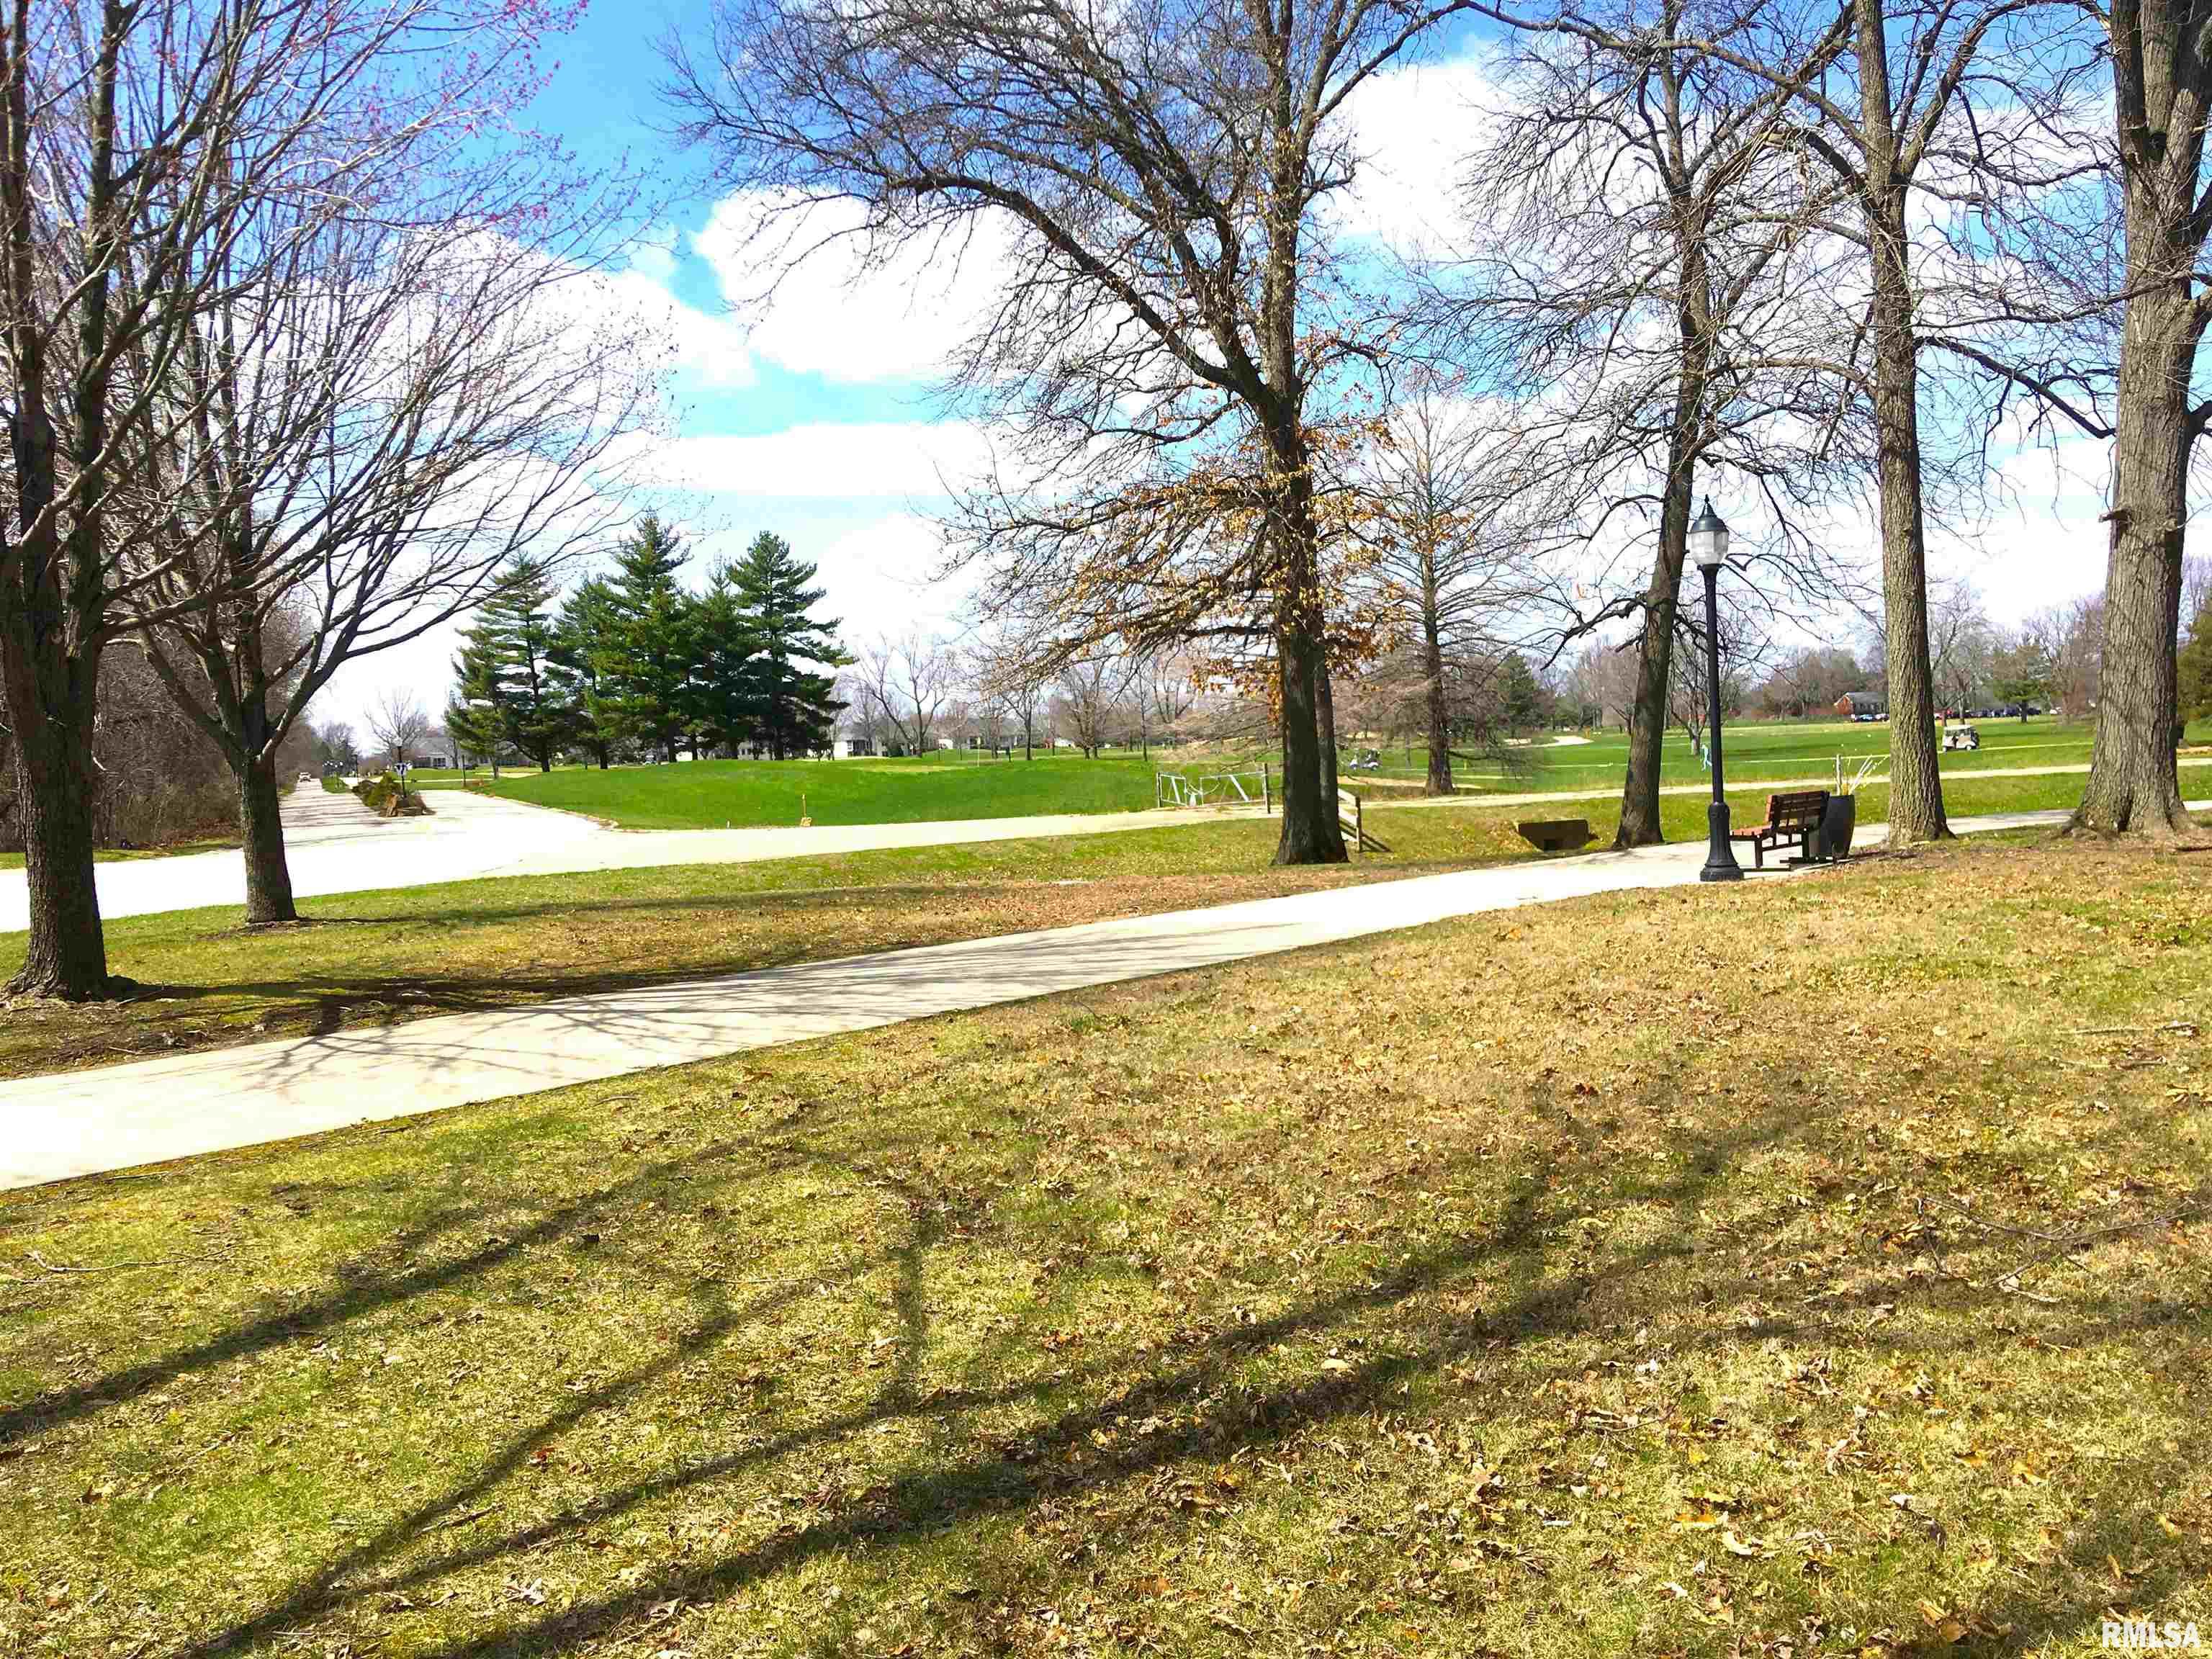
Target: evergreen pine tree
(575, 656)
(645, 657)
(505, 695)
(793, 708)
(723, 703)
(477, 714)
(1520, 700)
(539, 720)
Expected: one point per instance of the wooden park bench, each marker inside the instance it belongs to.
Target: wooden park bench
(1556, 834)
(1792, 816)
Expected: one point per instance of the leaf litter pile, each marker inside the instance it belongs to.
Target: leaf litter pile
(1811, 1267)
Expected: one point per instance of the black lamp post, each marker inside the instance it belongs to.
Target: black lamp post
(1708, 542)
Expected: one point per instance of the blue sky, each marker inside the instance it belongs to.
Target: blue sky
(812, 416)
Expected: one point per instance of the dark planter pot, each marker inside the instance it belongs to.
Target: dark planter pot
(1837, 825)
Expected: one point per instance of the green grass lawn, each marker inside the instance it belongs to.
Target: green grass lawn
(706, 794)
(1759, 751)
(384, 957)
(118, 854)
(1818, 1266)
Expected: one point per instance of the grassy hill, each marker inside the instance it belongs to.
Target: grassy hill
(1755, 751)
(708, 794)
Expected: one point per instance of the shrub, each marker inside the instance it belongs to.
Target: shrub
(388, 797)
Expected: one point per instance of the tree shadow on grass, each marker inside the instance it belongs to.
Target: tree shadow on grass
(1188, 1397)
(1556, 1284)
(368, 1289)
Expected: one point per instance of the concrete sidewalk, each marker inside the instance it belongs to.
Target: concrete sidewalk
(334, 845)
(470, 837)
(85, 1122)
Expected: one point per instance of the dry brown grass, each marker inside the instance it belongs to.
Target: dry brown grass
(1817, 1267)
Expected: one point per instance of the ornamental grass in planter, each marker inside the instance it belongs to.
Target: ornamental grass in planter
(1840, 820)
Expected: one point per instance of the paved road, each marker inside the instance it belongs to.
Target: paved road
(349, 850)
(336, 845)
(85, 1122)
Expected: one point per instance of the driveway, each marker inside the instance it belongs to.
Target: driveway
(86, 1122)
(336, 845)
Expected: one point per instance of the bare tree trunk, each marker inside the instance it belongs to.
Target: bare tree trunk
(1432, 666)
(2160, 88)
(1655, 664)
(1916, 786)
(52, 602)
(50, 694)
(1654, 656)
(2133, 787)
(268, 875)
(1311, 832)
(1325, 721)
(67, 954)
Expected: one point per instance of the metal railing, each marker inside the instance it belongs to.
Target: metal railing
(1216, 789)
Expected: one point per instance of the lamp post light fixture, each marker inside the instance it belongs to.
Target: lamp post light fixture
(1708, 544)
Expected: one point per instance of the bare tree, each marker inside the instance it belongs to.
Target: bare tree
(1170, 690)
(397, 722)
(1660, 237)
(1440, 485)
(1928, 96)
(429, 408)
(1814, 678)
(906, 684)
(156, 159)
(2161, 59)
(1007, 665)
(1088, 697)
(1161, 169)
(2071, 638)
(1961, 645)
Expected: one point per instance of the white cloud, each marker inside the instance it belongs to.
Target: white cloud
(709, 345)
(2045, 542)
(841, 314)
(879, 579)
(854, 460)
(1412, 128)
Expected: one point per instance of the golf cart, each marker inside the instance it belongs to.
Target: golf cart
(1960, 737)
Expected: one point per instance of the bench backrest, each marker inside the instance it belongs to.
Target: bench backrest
(1796, 808)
